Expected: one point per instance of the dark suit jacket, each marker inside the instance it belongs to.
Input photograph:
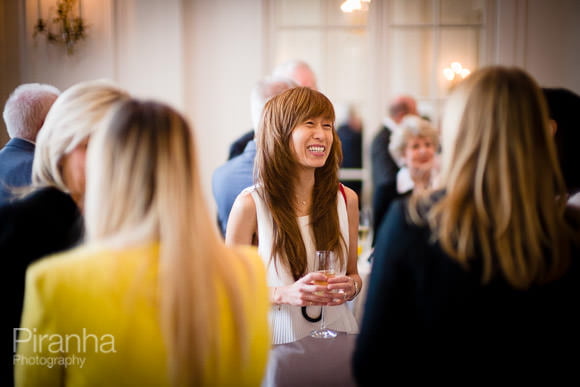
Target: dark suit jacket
(45, 222)
(351, 141)
(384, 167)
(15, 166)
(383, 196)
(237, 147)
(564, 105)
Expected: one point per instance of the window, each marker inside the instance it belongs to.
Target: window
(334, 43)
(366, 58)
(423, 37)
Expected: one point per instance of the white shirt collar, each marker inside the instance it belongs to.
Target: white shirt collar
(404, 181)
(389, 123)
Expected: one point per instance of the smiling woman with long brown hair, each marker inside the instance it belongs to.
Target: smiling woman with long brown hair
(297, 208)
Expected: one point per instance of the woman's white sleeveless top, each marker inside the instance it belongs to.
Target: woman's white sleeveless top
(286, 321)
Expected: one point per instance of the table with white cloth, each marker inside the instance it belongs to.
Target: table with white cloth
(312, 362)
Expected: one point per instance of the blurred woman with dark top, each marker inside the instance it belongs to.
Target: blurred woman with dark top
(479, 279)
(154, 286)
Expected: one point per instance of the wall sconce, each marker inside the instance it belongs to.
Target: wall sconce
(354, 5)
(455, 73)
(71, 29)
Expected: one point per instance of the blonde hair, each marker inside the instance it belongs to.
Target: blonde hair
(143, 186)
(411, 126)
(275, 168)
(73, 117)
(504, 193)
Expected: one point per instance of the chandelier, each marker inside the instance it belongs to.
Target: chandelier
(456, 71)
(70, 29)
(354, 5)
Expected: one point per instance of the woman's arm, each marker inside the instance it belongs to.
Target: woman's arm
(351, 283)
(242, 229)
(353, 219)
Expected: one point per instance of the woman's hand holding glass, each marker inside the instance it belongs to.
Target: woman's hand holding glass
(341, 288)
(307, 291)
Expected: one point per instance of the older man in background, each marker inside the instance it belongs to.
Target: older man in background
(24, 114)
(296, 70)
(384, 168)
(231, 178)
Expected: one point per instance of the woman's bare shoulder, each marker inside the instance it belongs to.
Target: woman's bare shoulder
(244, 202)
(351, 196)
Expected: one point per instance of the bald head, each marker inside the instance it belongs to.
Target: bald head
(297, 70)
(264, 90)
(402, 106)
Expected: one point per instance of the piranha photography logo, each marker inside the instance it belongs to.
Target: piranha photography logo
(49, 350)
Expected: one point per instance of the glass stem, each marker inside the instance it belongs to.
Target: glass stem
(322, 323)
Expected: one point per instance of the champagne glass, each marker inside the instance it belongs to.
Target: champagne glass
(325, 264)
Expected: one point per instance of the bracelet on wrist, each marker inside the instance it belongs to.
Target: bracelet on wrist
(355, 290)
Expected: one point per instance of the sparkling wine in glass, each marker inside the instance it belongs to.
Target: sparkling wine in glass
(325, 264)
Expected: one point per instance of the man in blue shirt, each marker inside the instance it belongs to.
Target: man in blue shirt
(231, 178)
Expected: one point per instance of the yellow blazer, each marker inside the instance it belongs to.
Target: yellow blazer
(91, 318)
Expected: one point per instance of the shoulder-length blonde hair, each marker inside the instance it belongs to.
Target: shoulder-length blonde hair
(74, 117)
(143, 186)
(275, 168)
(505, 197)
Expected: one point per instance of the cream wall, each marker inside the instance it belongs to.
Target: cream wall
(203, 56)
(9, 54)
(200, 56)
(553, 42)
(223, 59)
(42, 62)
(147, 48)
(541, 36)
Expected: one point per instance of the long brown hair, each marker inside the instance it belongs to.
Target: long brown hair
(505, 195)
(275, 168)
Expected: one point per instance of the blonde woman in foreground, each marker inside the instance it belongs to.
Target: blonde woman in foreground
(47, 219)
(154, 297)
(479, 280)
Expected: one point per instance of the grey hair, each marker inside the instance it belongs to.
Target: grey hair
(265, 89)
(286, 69)
(297, 70)
(26, 109)
(411, 126)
